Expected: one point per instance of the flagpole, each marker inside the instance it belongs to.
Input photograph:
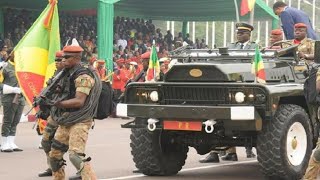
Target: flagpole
(252, 15)
(237, 10)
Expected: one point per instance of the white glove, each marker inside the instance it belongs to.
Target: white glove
(17, 90)
(10, 90)
(3, 64)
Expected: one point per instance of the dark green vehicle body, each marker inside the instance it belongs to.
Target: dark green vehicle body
(202, 86)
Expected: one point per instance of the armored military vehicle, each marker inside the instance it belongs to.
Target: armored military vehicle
(209, 100)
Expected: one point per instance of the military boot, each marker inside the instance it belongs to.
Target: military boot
(47, 172)
(230, 157)
(312, 170)
(211, 158)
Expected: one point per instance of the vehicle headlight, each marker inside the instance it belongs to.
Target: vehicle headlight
(239, 97)
(154, 96)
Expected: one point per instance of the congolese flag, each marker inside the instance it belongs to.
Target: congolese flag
(35, 53)
(154, 65)
(246, 6)
(258, 67)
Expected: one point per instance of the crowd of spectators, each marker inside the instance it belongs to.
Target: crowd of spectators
(132, 37)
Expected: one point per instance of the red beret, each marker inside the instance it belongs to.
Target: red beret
(300, 25)
(72, 49)
(59, 54)
(145, 55)
(276, 32)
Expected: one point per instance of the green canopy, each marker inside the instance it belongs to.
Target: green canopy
(167, 10)
(173, 10)
(188, 10)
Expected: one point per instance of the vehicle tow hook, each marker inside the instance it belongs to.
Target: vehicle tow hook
(209, 125)
(152, 124)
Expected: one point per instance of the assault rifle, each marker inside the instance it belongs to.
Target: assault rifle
(44, 100)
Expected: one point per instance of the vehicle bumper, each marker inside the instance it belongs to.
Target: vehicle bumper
(186, 112)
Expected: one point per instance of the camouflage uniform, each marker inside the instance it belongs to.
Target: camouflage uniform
(306, 46)
(47, 137)
(73, 139)
(314, 162)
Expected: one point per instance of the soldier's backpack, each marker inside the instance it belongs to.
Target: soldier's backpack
(105, 105)
(310, 91)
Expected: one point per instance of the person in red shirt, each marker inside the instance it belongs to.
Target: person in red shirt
(116, 83)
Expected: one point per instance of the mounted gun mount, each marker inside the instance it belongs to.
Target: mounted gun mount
(210, 99)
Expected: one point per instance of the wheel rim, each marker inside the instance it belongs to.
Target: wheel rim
(296, 143)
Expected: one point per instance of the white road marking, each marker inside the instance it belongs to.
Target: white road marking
(185, 170)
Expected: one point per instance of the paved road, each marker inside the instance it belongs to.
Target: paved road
(109, 148)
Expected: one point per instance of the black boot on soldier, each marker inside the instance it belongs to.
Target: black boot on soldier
(211, 158)
(230, 157)
(47, 172)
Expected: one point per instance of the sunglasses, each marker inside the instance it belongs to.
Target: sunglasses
(67, 56)
(58, 60)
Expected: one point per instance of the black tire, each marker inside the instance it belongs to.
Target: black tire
(154, 155)
(272, 143)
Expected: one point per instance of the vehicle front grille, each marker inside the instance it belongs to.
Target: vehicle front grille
(186, 95)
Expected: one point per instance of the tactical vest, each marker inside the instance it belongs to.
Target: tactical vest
(72, 116)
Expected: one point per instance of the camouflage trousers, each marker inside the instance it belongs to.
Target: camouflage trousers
(47, 137)
(313, 166)
(75, 138)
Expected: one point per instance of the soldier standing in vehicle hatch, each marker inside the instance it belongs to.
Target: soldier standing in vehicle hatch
(243, 42)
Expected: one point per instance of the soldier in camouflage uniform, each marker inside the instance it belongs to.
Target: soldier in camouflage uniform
(13, 103)
(305, 45)
(314, 162)
(243, 42)
(74, 112)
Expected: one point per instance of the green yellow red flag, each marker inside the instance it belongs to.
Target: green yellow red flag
(258, 67)
(154, 65)
(246, 6)
(35, 53)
